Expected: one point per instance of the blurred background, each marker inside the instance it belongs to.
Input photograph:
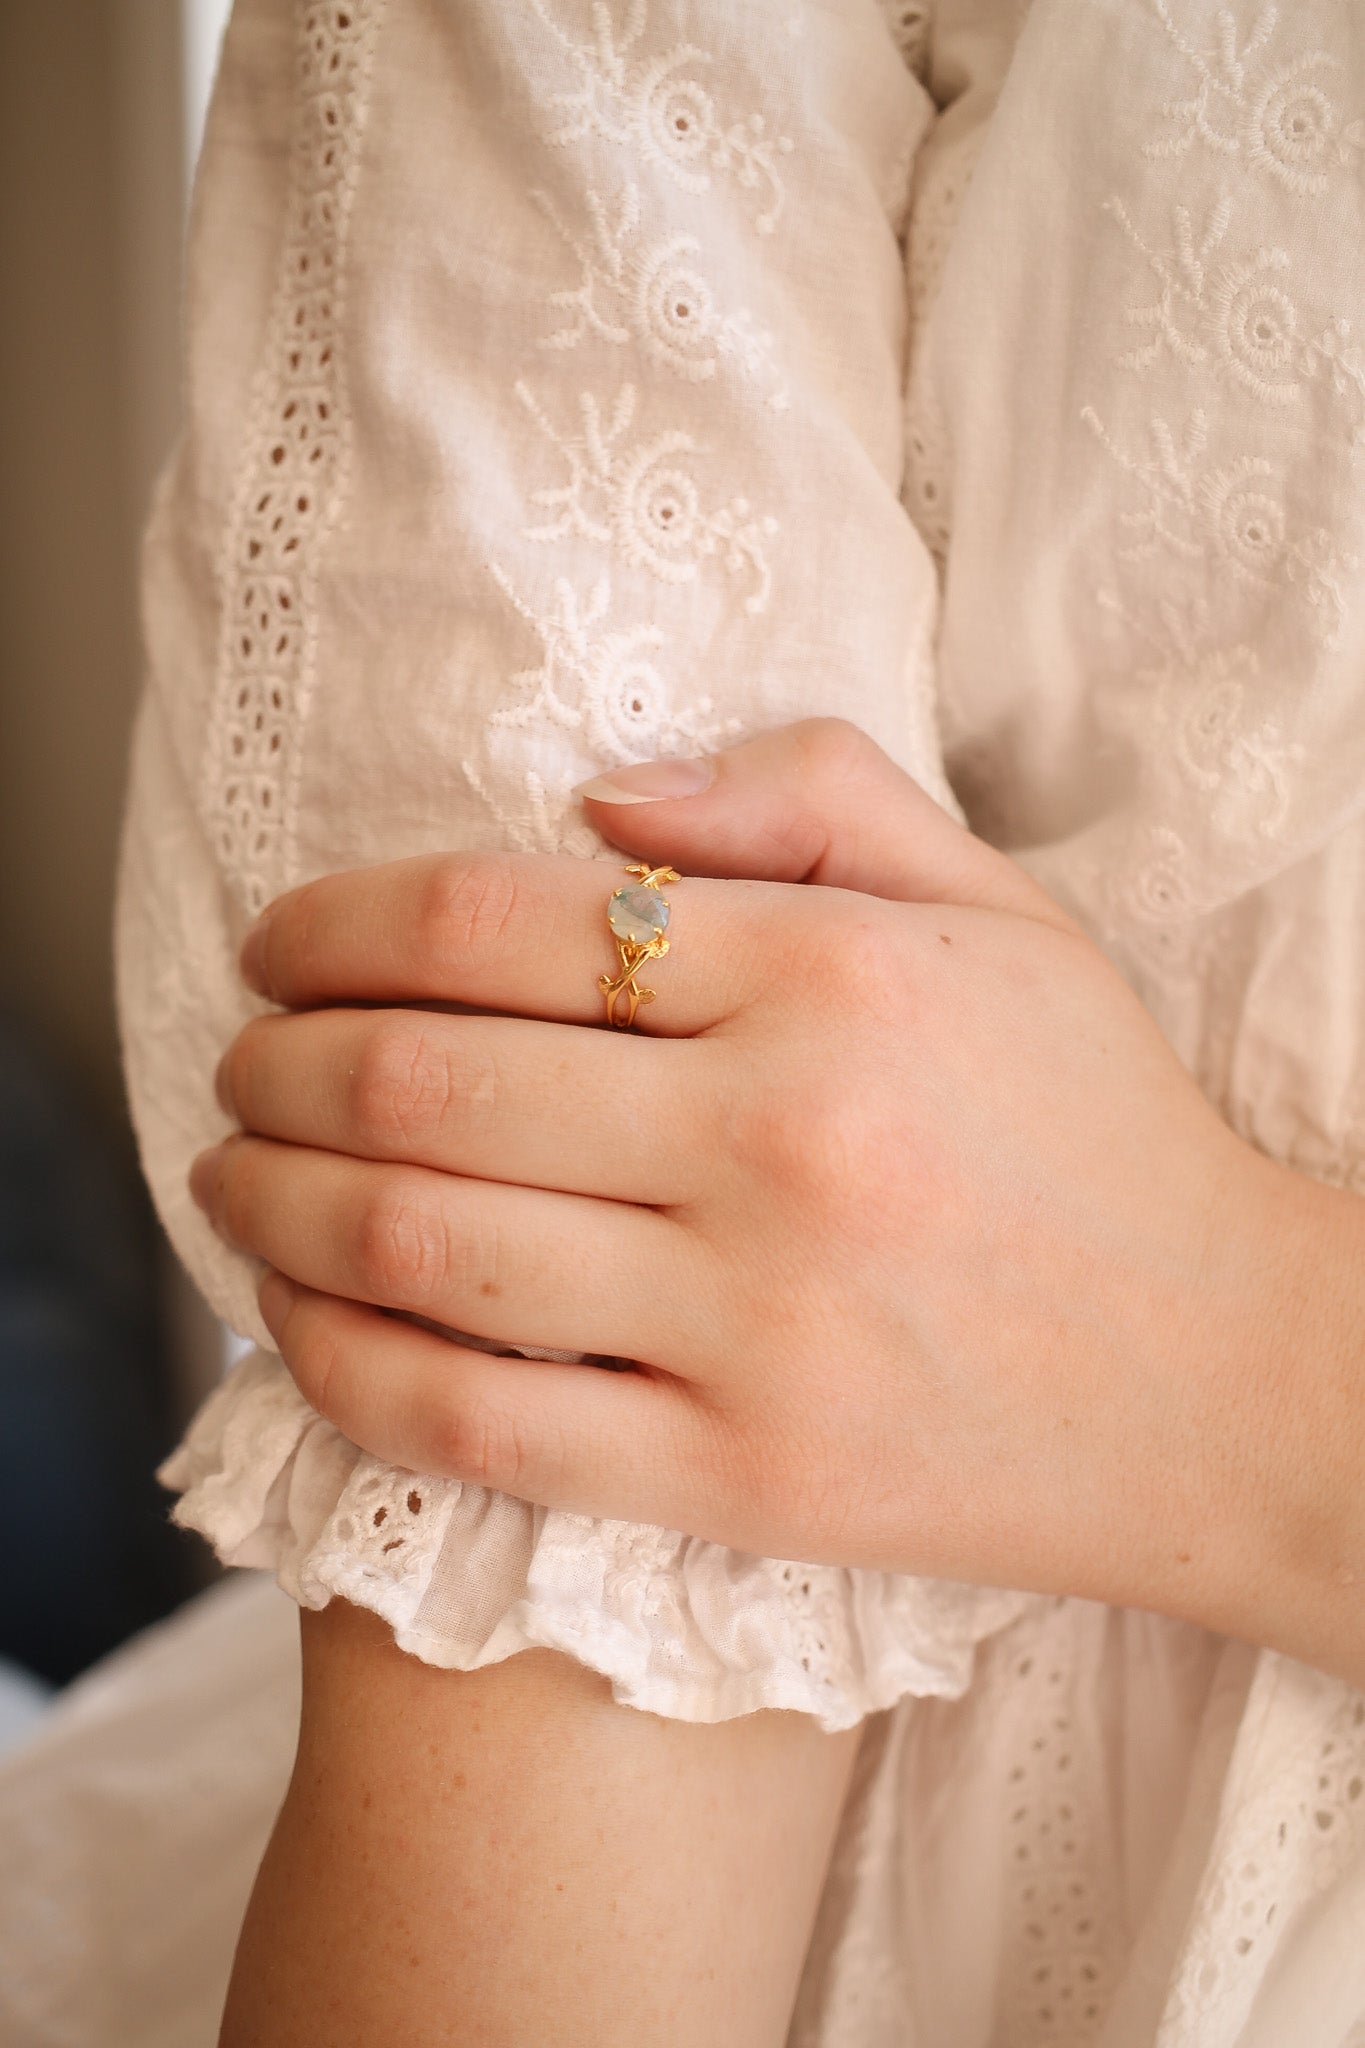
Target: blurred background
(104, 1348)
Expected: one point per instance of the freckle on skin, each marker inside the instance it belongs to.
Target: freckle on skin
(1182, 1557)
(945, 940)
(488, 1287)
(459, 1781)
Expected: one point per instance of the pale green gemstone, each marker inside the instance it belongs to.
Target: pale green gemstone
(637, 914)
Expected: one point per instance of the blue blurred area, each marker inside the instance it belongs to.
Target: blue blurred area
(84, 1414)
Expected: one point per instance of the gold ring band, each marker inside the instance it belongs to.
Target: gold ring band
(637, 916)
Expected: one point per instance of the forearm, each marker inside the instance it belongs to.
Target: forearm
(506, 1856)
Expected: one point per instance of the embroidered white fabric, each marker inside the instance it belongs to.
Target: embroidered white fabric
(603, 380)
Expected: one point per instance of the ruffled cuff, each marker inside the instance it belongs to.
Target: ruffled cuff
(465, 1577)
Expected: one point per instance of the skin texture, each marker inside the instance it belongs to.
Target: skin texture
(951, 1267)
(489, 1859)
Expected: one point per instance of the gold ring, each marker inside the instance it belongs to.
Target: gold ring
(638, 918)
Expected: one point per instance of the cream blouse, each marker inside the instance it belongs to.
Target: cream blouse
(573, 383)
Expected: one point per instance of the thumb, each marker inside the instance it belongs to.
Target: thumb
(813, 802)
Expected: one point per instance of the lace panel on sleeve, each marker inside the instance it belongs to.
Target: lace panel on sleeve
(293, 471)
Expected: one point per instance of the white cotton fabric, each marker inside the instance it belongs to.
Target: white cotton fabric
(571, 384)
(134, 1818)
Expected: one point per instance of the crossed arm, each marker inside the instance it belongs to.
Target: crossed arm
(505, 1856)
(1081, 1338)
(952, 1269)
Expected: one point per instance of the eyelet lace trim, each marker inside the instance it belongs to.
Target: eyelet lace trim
(1293, 1821)
(910, 23)
(382, 1540)
(464, 1578)
(936, 203)
(1065, 1937)
(293, 472)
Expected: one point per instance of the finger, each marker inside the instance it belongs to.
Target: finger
(564, 1436)
(817, 801)
(523, 933)
(518, 1264)
(501, 1098)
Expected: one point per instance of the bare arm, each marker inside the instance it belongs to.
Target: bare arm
(475, 1857)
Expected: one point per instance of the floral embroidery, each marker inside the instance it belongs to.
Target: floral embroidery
(293, 473)
(1233, 517)
(596, 679)
(643, 499)
(597, 683)
(1246, 769)
(1278, 117)
(1342, 361)
(1236, 314)
(1203, 692)
(653, 295)
(1159, 889)
(667, 115)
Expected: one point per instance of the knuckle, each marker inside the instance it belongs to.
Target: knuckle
(401, 1086)
(852, 961)
(238, 1194)
(486, 1446)
(469, 906)
(403, 1252)
(835, 747)
(313, 1353)
(827, 1147)
(845, 1153)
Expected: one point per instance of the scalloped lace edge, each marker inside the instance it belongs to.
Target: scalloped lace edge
(632, 1616)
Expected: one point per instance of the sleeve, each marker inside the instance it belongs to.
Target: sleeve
(544, 413)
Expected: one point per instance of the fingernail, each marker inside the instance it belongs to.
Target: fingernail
(204, 1175)
(251, 959)
(647, 781)
(275, 1296)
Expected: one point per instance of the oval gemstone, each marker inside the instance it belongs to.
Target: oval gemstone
(637, 914)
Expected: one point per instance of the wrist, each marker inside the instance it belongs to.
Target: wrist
(1283, 1467)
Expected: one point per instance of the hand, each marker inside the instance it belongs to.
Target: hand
(931, 1255)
